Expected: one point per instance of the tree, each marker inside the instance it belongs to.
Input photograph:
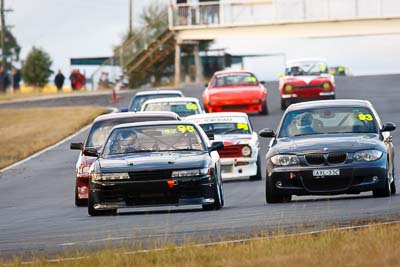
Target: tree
(12, 47)
(36, 69)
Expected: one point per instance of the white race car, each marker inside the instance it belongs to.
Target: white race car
(240, 156)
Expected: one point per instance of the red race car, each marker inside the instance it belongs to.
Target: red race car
(307, 79)
(235, 91)
(96, 138)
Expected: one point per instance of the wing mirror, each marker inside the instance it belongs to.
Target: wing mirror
(216, 146)
(263, 82)
(124, 109)
(91, 152)
(388, 127)
(75, 146)
(267, 133)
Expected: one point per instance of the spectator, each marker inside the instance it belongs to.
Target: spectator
(73, 79)
(16, 75)
(4, 80)
(80, 81)
(59, 80)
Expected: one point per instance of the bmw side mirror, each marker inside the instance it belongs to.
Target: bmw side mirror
(267, 133)
(91, 152)
(263, 82)
(216, 146)
(75, 146)
(124, 109)
(388, 127)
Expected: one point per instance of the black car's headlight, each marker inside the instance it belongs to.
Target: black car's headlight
(190, 173)
(285, 160)
(109, 176)
(368, 155)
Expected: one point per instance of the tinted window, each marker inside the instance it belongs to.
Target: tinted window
(328, 120)
(180, 137)
(101, 129)
(183, 109)
(307, 68)
(139, 100)
(226, 128)
(235, 79)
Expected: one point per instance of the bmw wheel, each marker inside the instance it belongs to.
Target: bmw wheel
(385, 191)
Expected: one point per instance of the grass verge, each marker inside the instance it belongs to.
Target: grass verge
(26, 131)
(371, 246)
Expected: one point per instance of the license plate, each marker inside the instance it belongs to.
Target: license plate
(328, 172)
(226, 168)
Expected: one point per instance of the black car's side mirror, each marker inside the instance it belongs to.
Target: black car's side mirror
(216, 146)
(267, 133)
(263, 82)
(91, 152)
(388, 127)
(75, 146)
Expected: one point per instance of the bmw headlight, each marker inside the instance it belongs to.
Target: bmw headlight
(285, 160)
(246, 151)
(288, 87)
(326, 85)
(368, 155)
(191, 173)
(109, 176)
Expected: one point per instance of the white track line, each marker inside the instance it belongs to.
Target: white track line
(51, 147)
(237, 241)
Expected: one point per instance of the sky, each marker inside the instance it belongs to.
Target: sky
(90, 28)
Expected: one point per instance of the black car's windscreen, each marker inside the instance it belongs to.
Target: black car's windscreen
(327, 121)
(226, 128)
(235, 79)
(183, 109)
(101, 129)
(153, 139)
(307, 68)
(139, 100)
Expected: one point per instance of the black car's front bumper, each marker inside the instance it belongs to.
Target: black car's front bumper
(122, 194)
(353, 179)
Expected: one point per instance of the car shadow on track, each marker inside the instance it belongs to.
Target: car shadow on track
(337, 198)
(158, 211)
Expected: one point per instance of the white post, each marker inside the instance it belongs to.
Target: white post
(221, 12)
(177, 73)
(170, 15)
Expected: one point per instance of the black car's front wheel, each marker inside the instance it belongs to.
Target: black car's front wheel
(271, 194)
(93, 212)
(385, 191)
(218, 199)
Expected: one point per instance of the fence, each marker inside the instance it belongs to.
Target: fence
(237, 12)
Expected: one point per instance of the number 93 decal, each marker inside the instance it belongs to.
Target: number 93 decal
(365, 117)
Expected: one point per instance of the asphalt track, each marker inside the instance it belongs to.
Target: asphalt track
(38, 216)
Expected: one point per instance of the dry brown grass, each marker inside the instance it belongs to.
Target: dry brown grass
(26, 131)
(372, 246)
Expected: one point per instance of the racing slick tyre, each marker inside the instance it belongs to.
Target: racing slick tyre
(264, 110)
(385, 191)
(271, 196)
(284, 104)
(79, 202)
(218, 199)
(258, 175)
(93, 212)
(393, 187)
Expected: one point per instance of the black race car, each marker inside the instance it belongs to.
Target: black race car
(155, 163)
(329, 147)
